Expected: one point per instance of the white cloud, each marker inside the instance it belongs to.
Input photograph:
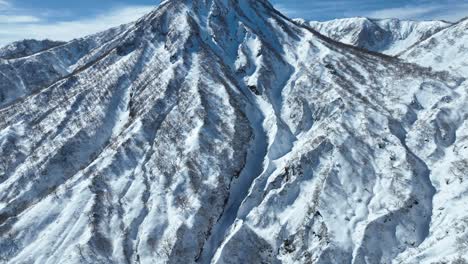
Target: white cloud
(453, 12)
(26, 27)
(402, 13)
(11, 19)
(4, 3)
(291, 12)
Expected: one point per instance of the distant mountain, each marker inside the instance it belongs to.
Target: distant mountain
(213, 131)
(27, 47)
(27, 66)
(446, 50)
(388, 36)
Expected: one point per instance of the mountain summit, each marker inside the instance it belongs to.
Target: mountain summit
(220, 131)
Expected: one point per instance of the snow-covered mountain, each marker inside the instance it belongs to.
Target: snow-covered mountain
(25, 68)
(388, 36)
(446, 50)
(215, 131)
(27, 47)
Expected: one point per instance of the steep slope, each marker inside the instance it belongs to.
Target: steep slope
(446, 50)
(388, 36)
(26, 70)
(27, 47)
(221, 132)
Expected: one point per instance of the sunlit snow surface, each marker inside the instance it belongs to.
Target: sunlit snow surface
(217, 131)
(446, 50)
(388, 36)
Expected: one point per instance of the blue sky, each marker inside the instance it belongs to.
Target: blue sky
(65, 20)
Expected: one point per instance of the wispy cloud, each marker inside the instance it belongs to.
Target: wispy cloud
(18, 24)
(402, 12)
(427, 11)
(12, 19)
(451, 10)
(4, 3)
(290, 11)
(452, 14)
(320, 9)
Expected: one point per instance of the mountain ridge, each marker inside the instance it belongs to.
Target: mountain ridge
(27, 47)
(447, 50)
(389, 36)
(28, 74)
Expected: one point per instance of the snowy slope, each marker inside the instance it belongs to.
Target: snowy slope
(446, 50)
(217, 131)
(26, 67)
(27, 47)
(389, 36)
